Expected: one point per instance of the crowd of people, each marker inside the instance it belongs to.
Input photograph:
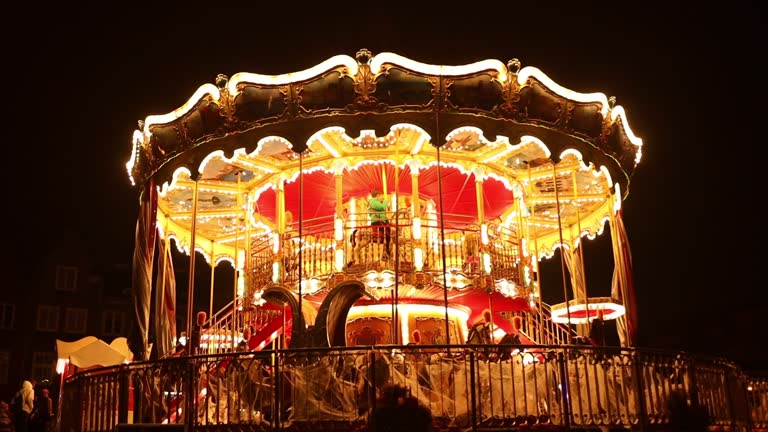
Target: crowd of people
(30, 410)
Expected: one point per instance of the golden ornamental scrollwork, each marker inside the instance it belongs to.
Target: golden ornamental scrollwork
(418, 279)
(567, 116)
(446, 95)
(292, 98)
(226, 104)
(338, 278)
(437, 99)
(510, 108)
(225, 108)
(180, 133)
(365, 81)
(607, 122)
(225, 99)
(484, 282)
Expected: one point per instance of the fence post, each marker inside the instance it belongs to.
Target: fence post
(472, 392)
(729, 397)
(566, 388)
(277, 381)
(372, 379)
(124, 384)
(746, 389)
(639, 389)
(694, 390)
(189, 396)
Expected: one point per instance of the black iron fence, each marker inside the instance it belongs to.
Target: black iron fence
(473, 387)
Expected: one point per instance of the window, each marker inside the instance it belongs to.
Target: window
(75, 320)
(66, 278)
(5, 362)
(114, 321)
(47, 318)
(7, 315)
(43, 366)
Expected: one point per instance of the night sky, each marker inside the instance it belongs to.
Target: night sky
(78, 78)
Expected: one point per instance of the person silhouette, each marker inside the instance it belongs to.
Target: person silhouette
(397, 410)
(25, 400)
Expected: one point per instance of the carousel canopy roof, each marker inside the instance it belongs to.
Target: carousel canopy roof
(376, 120)
(375, 93)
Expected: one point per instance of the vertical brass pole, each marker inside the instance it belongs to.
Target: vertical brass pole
(301, 242)
(415, 202)
(562, 257)
(280, 211)
(340, 245)
(166, 253)
(536, 260)
(189, 402)
(339, 195)
(520, 227)
(282, 344)
(395, 297)
(618, 258)
(480, 203)
(246, 263)
(490, 308)
(479, 200)
(442, 214)
(213, 273)
(582, 268)
(384, 181)
(416, 213)
(521, 234)
(237, 269)
(281, 228)
(191, 276)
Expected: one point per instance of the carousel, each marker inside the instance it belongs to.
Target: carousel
(386, 220)
(482, 170)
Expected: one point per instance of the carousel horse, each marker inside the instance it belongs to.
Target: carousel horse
(480, 332)
(359, 240)
(504, 349)
(506, 344)
(363, 237)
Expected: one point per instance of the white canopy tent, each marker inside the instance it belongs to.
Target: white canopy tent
(93, 352)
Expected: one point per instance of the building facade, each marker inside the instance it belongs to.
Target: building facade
(64, 296)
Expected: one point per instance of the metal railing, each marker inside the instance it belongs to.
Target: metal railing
(539, 327)
(470, 387)
(457, 248)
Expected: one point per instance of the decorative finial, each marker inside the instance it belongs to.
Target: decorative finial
(363, 56)
(612, 101)
(221, 81)
(513, 66)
